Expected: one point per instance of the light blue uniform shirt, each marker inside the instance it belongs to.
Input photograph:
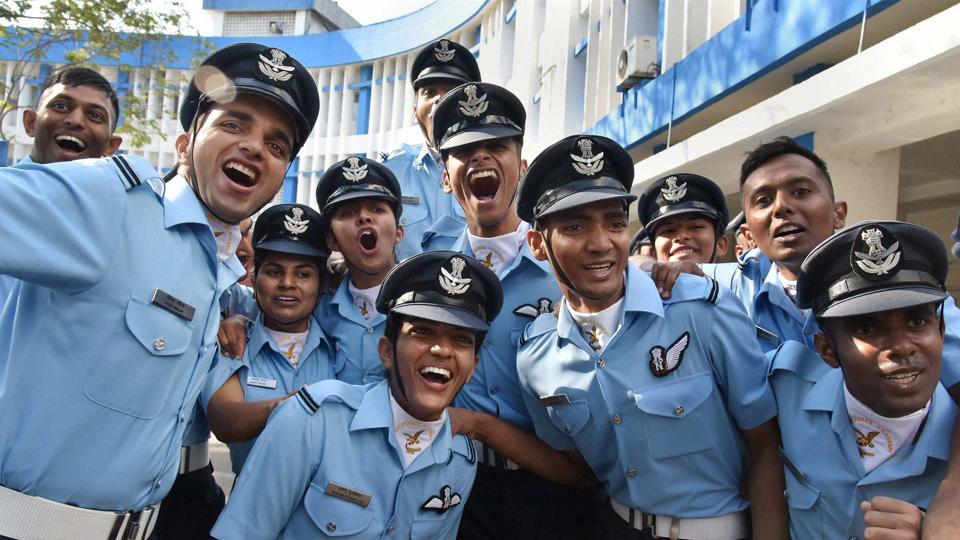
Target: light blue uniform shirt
(529, 289)
(825, 475)
(264, 366)
(667, 445)
(98, 382)
(755, 281)
(355, 339)
(424, 201)
(333, 434)
(6, 282)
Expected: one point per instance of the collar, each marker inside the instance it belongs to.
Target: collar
(374, 412)
(462, 245)
(26, 160)
(773, 289)
(259, 338)
(424, 157)
(343, 300)
(181, 205)
(934, 442)
(641, 297)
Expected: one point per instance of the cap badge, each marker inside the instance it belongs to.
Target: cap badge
(662, 365)
(353, 171)
(273, 68)
(878, 260)
(294, 222)
(474, 106)
(672, 192)
(442, 51)
(452, 280)
(587, 163)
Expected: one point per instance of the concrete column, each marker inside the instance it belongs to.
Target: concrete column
(869, 182)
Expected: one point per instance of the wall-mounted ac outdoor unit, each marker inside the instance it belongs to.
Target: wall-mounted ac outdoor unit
(638, 60)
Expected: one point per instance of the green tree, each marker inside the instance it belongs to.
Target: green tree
(122, 33)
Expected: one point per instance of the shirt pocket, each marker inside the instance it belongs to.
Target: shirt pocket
(432, 528)
(414, 213)
(806, 520)
(333, 516)
(571, 417)
(141, 361)
(675, 421)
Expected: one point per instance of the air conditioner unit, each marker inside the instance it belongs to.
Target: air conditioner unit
(638, 60)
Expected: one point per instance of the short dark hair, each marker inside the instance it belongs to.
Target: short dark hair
(84, 76)
(767, 152)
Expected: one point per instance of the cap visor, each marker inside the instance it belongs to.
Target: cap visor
(289, 246)
(439, 76)
(649, 227)
(480, 133)
(358, 194)
(884, 300)
(583, 198)
(453, 316)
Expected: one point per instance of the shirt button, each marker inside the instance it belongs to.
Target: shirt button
(631, 472)
(493, 389)
(486, 344)
(679, 410)
(403, 221)
(601, 363)
(331, 526)
(391, 529)
(157, 484)
(364, 377)
(369, 331)
(159, 344)
(617, 419)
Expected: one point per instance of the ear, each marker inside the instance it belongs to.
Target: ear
(825, 349)
(385, 348)
(536, 242)
(29, 121)
(523, 166)
(839, 214)
(183, 149)
(445, 181)
(476, 360)
(112, 145)
(332, 243)
(400, 232)
(722, 244)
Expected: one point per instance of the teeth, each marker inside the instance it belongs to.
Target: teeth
(238, 167)
(904, 377)
(597, 266)
(70, 138)
(483, 174)
(437, 371)
(286, 298)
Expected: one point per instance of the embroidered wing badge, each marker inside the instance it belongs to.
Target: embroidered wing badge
(870, 258)
(445, 501)
(294, 223)
(532, 311)
(273, 67)
(664, 361)
(672, 192)
(587, 163)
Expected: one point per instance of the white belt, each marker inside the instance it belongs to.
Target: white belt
(27, 517)
(726, 527)
(489, 456)
(194, 457)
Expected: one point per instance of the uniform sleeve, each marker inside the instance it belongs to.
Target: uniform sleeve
(542, 425)
(740, 365)
(275, 475)
(726, 274)
(239, 300)
(950, 374)
(221, 370)
(60, 222)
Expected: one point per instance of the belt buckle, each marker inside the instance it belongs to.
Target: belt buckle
(130, 523)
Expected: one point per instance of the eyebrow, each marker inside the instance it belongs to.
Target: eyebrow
(247, 117)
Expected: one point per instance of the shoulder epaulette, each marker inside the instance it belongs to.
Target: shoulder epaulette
(387, 156)
(313, 395)
(543, 324)
(127, 174)
(130, 178)
(462, 445)
(796, 358)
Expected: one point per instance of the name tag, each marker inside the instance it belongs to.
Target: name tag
(348, 494)
(763, 333)
(171, 303)
(261, 382)
(559, 399)
(410, 199)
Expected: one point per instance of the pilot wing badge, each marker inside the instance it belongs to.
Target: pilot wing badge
(871, 260)
(664, 361)
(273, 68)
(586, 163)
(446, 500)
(532, 311)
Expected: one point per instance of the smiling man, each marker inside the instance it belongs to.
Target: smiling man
(666, 400)
(120, 307)
(75, 117)
(379, 460)
(879, 419)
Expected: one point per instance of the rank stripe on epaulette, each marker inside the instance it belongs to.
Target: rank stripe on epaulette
(714, 291)
(127, 171)
(307, 400)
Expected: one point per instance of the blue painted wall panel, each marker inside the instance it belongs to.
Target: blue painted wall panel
(734, 57)
(363, 105)
(257, 5)
(290, 182)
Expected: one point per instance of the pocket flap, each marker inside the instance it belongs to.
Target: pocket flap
(333, 515)
(570, 417)
(160, 333)
(677, 398)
